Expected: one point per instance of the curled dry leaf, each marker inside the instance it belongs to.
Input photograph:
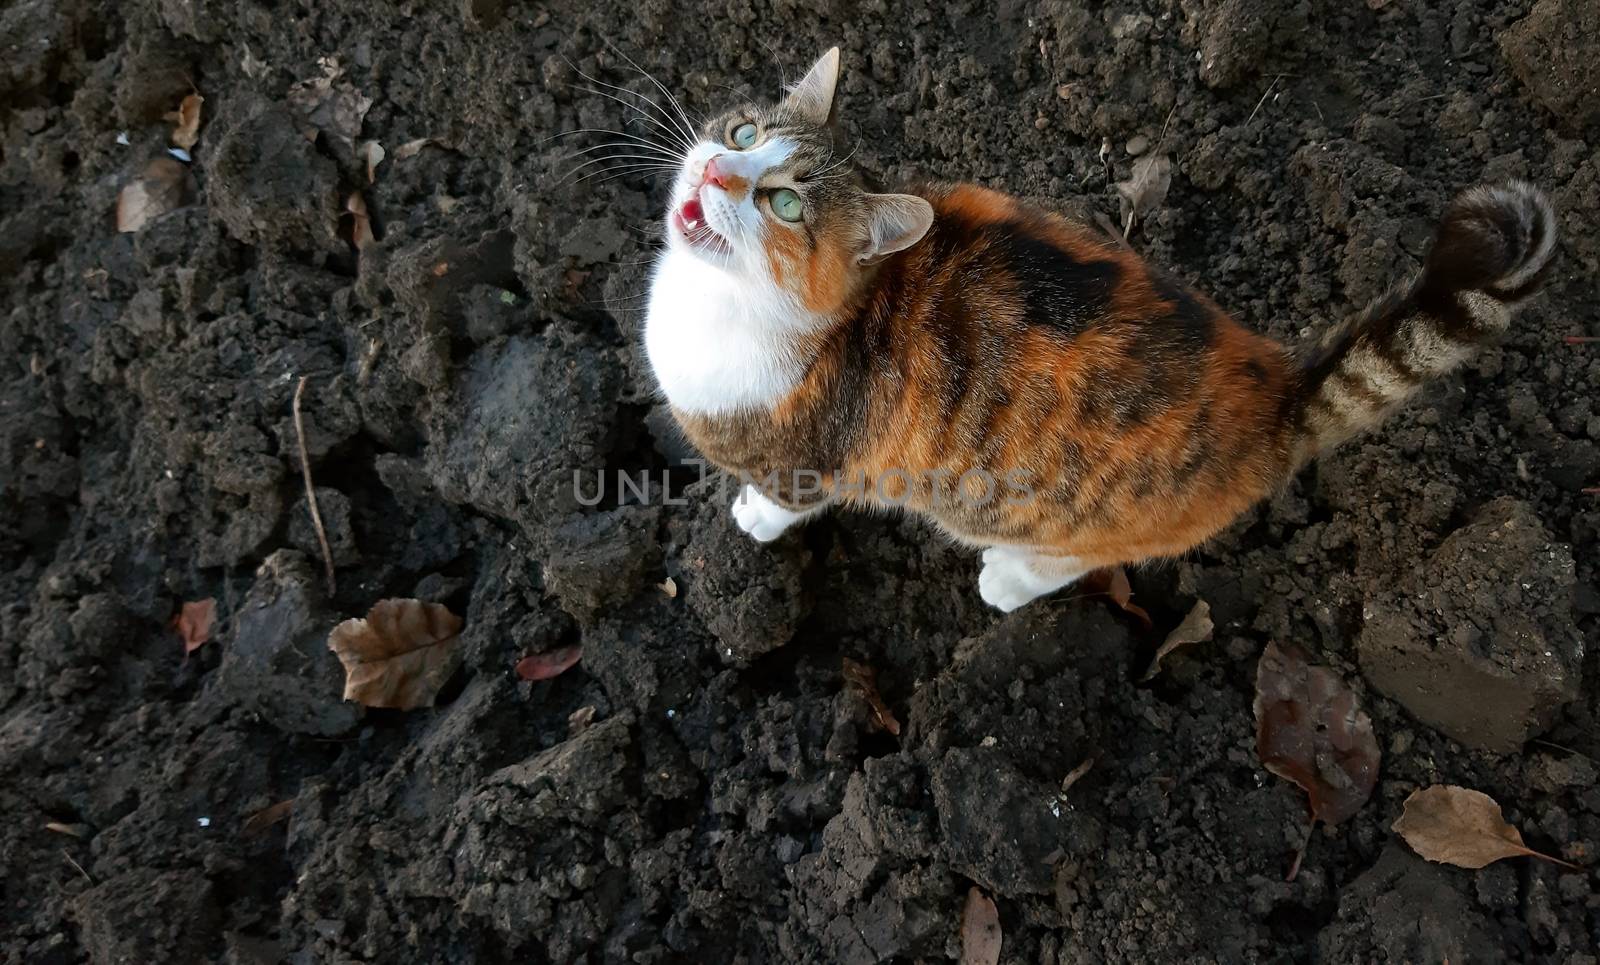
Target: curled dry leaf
(411, 149)
(1076, 774)
(551, 663)
(157, 190)
(361, 223)
(1195, 628)
(372, 153)
(330, 105)
(1114, 583)
(865, 681)
(980, 930)
(1311, 730)
(268, 816)
(1460, 826)
(185, 122)
(1145, 189)
(193, 623)
(400, 655)
(669, 586)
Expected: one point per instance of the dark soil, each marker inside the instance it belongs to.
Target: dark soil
(730, 797)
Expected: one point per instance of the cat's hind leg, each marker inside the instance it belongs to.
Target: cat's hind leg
(1015, 575)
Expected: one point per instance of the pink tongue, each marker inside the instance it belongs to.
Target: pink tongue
(691, 213)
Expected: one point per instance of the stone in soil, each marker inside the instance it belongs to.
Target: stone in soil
(1553, 51)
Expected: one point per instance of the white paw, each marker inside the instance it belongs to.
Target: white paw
(1004, 583)
(1008, 581)
(761, 517)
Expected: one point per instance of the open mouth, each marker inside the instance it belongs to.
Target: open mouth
(690, 221)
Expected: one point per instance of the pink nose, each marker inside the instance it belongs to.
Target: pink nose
(714, 175)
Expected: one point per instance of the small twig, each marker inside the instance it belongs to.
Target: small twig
(78, 866)
(1110, 228)
(1580, 339)
(1299, 856)
(1263, 100)
(1592, 491)
(311, 492)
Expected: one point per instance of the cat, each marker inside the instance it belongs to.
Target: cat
(1036, 390)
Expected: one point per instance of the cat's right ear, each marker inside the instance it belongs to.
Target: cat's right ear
(894, 222)
(812, 95)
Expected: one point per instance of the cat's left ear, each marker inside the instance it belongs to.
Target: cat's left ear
(894, 222)
(812, 96)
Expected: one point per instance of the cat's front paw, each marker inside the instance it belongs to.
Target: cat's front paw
(761, 517)
(1011, 578)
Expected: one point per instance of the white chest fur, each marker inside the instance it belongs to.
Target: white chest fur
(716, 345)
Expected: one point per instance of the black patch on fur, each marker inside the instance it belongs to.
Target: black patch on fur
(1058, 291)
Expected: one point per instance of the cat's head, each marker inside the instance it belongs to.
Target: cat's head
(769, 193)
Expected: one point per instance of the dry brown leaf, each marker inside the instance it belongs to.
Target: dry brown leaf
(268, 816)
(865, 680)
(551, 663)
(361, 224)
(186, 122)
(1113, 582)
(1145, 189)
(1311, 730)
(193, 623)
(1460, 826)
(157, 190)
(1076, 774)
(980, 930)
(372, 153)
(411, 149)
(1195, 628)
(330, 105)
(399, 655)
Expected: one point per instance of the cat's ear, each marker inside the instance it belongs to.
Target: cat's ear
(894, 222)
(812, 96)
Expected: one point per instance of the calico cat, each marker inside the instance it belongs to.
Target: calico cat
(1036, 390)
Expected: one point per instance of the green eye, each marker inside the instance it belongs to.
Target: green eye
(744, 135)
(786, 204)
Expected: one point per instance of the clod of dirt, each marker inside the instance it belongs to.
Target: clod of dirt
(1554, 52)
(1460, 826)
(268, 184)
(999, 824)
(980, 930)
(158, 190)
(528, 412)
(331, 105)
(337, 523)
(749, 595)
(1234, 36)
(1195, 628)
(277, 663)
(193, 623)
(120, 923)
(1479, 640)
(602, 560)
(1403, 909)
(399, 655)
(1311, 730)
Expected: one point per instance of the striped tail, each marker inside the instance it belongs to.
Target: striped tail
(1491, 254)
